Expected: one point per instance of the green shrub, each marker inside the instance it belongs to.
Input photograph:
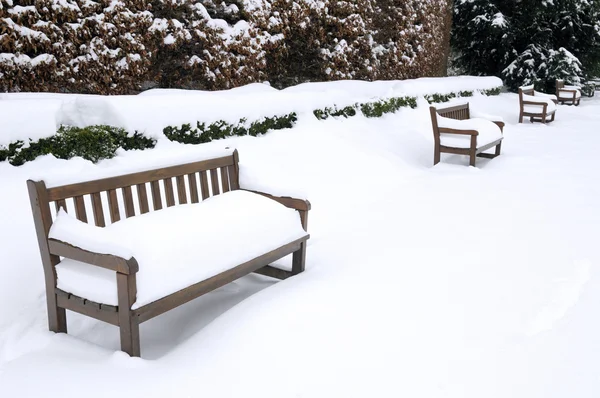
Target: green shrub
(93, 143)
(221, 129)
(391, 105)
(491, 91)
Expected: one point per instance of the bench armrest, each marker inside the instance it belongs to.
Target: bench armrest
(302, 205)
(292, 203)
(446, 130)
(544, 95)
(108, 261)
(537, 103)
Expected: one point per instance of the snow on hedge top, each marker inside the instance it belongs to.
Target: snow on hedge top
(152, 111)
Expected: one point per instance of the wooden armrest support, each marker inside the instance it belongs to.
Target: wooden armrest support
(541, 103)
(108, 261)
(292, 203)
(499, 124)
(454, 131)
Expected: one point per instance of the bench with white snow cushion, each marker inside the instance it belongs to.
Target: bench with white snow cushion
(539, 107)
(455, 131)
(565, 93)
(145, 263)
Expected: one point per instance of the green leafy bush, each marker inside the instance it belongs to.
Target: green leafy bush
(221, 129)
(92, 143)
(390, 105)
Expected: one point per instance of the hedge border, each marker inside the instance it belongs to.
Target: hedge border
(72, 141)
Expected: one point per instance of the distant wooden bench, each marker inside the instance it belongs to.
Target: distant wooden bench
(567, 94)
(115, 199)
(539, 107)
(454, 131)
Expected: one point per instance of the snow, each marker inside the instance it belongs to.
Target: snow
(440, 282)
(530, 108)
(182, 245)
(148, 114)
(488, 132)
(68, 229)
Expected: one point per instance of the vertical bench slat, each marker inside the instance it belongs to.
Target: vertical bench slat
(156, 199)
(143, 198)
(97, 210)
(193, 188)
(128, 199)
(169, 192)
(204, 184)
(61, 203)
(113, 205)
(224, 179)
(214, 181)
(233, 178)
(80, 208)
(181, 189)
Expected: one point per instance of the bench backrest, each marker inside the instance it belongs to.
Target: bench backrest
(108, 200)
(559, 84)
(458, 112)
(525, 90)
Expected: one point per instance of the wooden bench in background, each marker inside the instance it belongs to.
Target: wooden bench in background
(454, 131)
(567, 94)
(221, 174)
(535, 105)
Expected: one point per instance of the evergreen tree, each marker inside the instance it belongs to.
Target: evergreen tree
(528, 40)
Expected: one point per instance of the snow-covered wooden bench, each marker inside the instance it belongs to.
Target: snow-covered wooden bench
(536, 105)
(454, 131)
(567, 94)
(143, 263)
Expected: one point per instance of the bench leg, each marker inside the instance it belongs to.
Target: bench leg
(298, 259)
(57, 316)
(436, 157)
(498, 148)
(473, 151)
(129, 327)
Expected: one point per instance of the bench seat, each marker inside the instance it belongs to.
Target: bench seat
(178, 246)
(488, 132)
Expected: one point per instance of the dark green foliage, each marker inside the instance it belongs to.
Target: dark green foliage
(391, 105)
(92, 143)
(221, 129)
(528, 41)
(347, 111)
(491, 91)
(440, 97)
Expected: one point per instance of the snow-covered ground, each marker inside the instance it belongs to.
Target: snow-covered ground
(421, 281)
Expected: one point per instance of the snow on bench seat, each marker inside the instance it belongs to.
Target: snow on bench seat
(488, 132)
(176, 247)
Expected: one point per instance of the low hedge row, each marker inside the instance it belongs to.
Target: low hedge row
(101, 142)
(93, 143)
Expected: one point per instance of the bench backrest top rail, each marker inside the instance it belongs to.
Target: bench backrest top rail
(458, 112)
(105, 184)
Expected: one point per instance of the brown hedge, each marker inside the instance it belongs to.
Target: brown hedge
(125, 46)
